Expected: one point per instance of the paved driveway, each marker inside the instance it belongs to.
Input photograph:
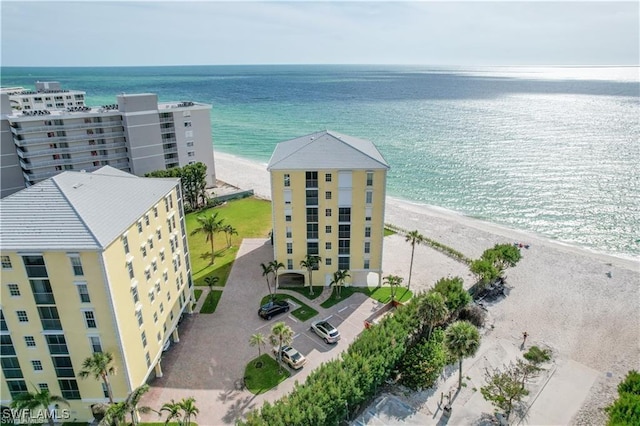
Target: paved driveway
(214, 350)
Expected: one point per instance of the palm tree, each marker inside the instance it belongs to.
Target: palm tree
(267, 269)
(310, 262)
(338, 279)
(281, 335)
(258, 340)
(393, 281)
(188, 407)
(209, 225)
(133, 400)
(173, 411)
(100, 366)
(433, 310)
(228, 232)
(416, 238)
(462, 340)
(276, 266)
(115, 415)
(211, 281)
(40, 398)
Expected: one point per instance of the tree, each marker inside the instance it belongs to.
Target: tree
(276, 266)
(626, 409)
(229, 231)
(393, 281)
(193, 181)
(310, 262)
(267, 269)
(99, 366)
(39, 399)
(462, 340)
(258, 340)
(503, 389)
(415, 238)
(173, 410)
(211, 281)
(115, 415)
(338, 280)
(189, 409)
(281, 335)
(455, 296)
(209, 226)
(432, 310)
(422, 364)
(132, 401)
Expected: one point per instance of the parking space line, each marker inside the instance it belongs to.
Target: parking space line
(292, 318)
(346, 307)
(296, 335)
(328, 318)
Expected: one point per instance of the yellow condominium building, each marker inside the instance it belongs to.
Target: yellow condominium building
(91, 262)
(328, 197)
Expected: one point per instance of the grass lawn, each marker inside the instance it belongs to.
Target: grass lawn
(211, 302)
(388, 232)
(381, 294)
(197, 292)
(317, 289)
(303, 313)
(260, 380)
(252, 219)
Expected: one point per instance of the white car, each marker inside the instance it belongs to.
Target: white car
(326, 331)
(291, 356)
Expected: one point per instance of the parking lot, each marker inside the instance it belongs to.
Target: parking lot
(214, 349)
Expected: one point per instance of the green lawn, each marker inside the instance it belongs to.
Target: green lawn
(197, 292)
(317, 290)
(388, 232)
(381, 294)
(303, 313)
(211, 302)
(252, 219)
(260, 380)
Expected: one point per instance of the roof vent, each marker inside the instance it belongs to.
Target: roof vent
(77, 185)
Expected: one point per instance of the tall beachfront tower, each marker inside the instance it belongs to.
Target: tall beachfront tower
(91, 262)
(43, 136)
(328, 198)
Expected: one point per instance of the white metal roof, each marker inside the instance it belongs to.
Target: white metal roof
(326, 150)
(77, 210)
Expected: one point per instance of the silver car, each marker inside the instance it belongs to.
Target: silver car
(326, 331)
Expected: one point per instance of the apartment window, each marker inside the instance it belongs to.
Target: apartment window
(13, 289)
(150, 243)
(134, 293)
(175, 264)
(343, 262)
(173, 247)
(162, 256)
(96, 344)
(170, 202)
(289, 263)
(90, 319)
(327, 229)
(139, 317)
(367, 231)
(166, 205)
(366, 264)
(289, 248)
(30, 341)
(152, 296)
(146, 220)
(289, 233)
(158, 286)
(327, 195)
(367, 214)
(130, 269)
(147, 273)
(369, 178)
(344, 231)
(143, 249)
(344, 214)
(49, 318)
(287, 179)
(327, 245)
(165, 276)
(327, 261)
(155, 212)
(189, 144)
(187, 124)
(159, 337)
(161, 308)
(177, 284)
(327, 177)
(57, 344)
(155, 317)
(159, 234)
(311, 197)
(6, 262)
(37, 365)
(83, 292)
(17, 387)
(143, 337)
(191, 154)
(287, 218)
(35, 266)
(171, 315)
(367, 247)
(3, 322)
(43, 386)
(368, 197)
(148, 358)
(69, 388)
(311, 179)
(42, 292)
(168, 295)
(22, 316)
(327, 212)
(140, 227)
(125, 244)
(154, 265)
(312, 248)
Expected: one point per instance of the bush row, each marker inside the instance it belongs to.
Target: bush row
(452, 253)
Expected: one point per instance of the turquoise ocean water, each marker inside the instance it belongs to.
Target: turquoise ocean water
(554, 151)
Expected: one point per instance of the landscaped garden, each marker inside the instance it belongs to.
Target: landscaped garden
(303, 312)
(263, 373)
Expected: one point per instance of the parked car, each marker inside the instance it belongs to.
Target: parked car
(291, 356)
(329, 333)
(272, 308)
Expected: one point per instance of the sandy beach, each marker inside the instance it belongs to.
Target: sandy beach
(585, 306)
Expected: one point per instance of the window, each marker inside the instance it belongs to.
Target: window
(147, 273)
(287, 218)
(312, 214)
(14, 290)
(17, 387)
(162, 256)
(139, 317)
(311, 197)
(146, 220)
(152, 296)
(159, 234)
(327, 212)
(154, 265)
(37, 365)
(289, 248)
(159, 337)
(327, 195)
(344, 214)
(367, 231)
(312, 231)
(168, 295)
(312, 248)
(130, 269)
(148, 358)
(140, 227)
(166, 205)
(287, 179)
(343, 262)
(57, 344)
(165, 276)
(369, 178)
(158, 286)
(155, 318)
(143, 249)
(69, 388)
(191, 154)
(366, 264)
(155, 212)
(22, 316)
(327, 177)
(6, 262)
(289, 263)
(96, 345)
(49, 318)
(161, 308)
(289, 233)
(367, 247)
(63, 366)
(30, 341)
(90, 319)
(327, 245)
(327, 261)
(327, 229)
(134, 293)
(83, 292)
(311, 179)
(367, 213)
(344, 231)
(125, 244)
(42, 292)
(173, 247)
(43, 386)
(35, 266)
(368, 197)
(187, 124)
(143, 337)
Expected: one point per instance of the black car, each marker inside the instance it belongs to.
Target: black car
(275, 307)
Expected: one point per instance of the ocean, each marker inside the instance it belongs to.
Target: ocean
(555, 151)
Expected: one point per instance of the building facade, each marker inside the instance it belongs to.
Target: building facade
(43, 136)
(328, 199)
(91, 262)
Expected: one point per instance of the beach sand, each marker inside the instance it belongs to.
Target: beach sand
(585, 306)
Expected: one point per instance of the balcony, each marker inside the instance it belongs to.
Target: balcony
(77, 160)
(71, 149)
(44, 298)
(67, 138)
(51, 324)
(60, 127)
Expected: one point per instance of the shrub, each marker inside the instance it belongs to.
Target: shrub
(626, 409)
(535, 355)
(422, 364)
(474, 314)
(455, 296)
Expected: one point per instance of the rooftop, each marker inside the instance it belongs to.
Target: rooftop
(78, 210)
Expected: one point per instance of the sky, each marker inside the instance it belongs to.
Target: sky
(145, 33)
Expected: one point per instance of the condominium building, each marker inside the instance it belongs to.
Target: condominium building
(328, 197)
(42, 135)
(91, 262)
